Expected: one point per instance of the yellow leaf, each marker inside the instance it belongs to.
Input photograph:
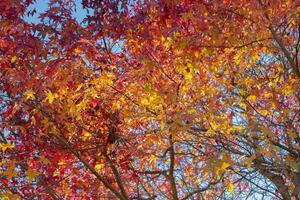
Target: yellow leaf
(44, 160)
(168, 42)
(197, 181)
(29, 94)
(10, 172)
(4, 147)
(250, 160)
(107, 78)
(288, 90)
(152, 161)
(99, 167)
(62, 92)
(268, 95)
(213, 125)
(237, 128)
(192, 111)
(205, 52)
(62, 162)
(255, 57)
(230, 188)
(8, 195)
(77, 50)
(243, 105)
(162, 124)
(13, 59)
(116, 106)
(188, 75)
(144, 101)
(33, 121)
(252, 98)
(293, 134)
(56, 173)
(50, 97)
(224, 166)
(265, 112)
(31, 175)
(86, 135)
(189, 71)
(180, 68)
(242, 91)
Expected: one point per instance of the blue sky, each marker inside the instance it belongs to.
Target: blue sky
(42, 5)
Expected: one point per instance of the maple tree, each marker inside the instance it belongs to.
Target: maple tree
(160, 99)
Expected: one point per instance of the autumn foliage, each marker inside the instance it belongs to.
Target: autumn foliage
(160, 99)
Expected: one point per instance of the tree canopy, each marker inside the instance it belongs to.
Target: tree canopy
(150, 99)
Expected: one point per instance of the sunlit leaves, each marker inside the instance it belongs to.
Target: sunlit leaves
(29, 94)
(252, 98)
(250, 160)
(86, 135)
(218, 167)
(187, 71)
(99, 166)
(105, 79)
(292, 133)
(61, 163)
(6, 146)
(50, 97)
(152, 161)
(9, 195)
(152, 100)
(10, 170)
(13, 59)
(230, 188)
(31, 175)
(146, 93)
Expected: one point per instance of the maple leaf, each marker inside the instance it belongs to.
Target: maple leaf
(10, 172)
(31, 175)
(293, 134)
(99, 166)
(9, 195)
(13, 59)
(86, 135)
(50, 97)
(230, 188)
(250, 160)
(29, 94)
(4, 147)
(252, 98)
(185, 86)
(224, 166)
(61, 163)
